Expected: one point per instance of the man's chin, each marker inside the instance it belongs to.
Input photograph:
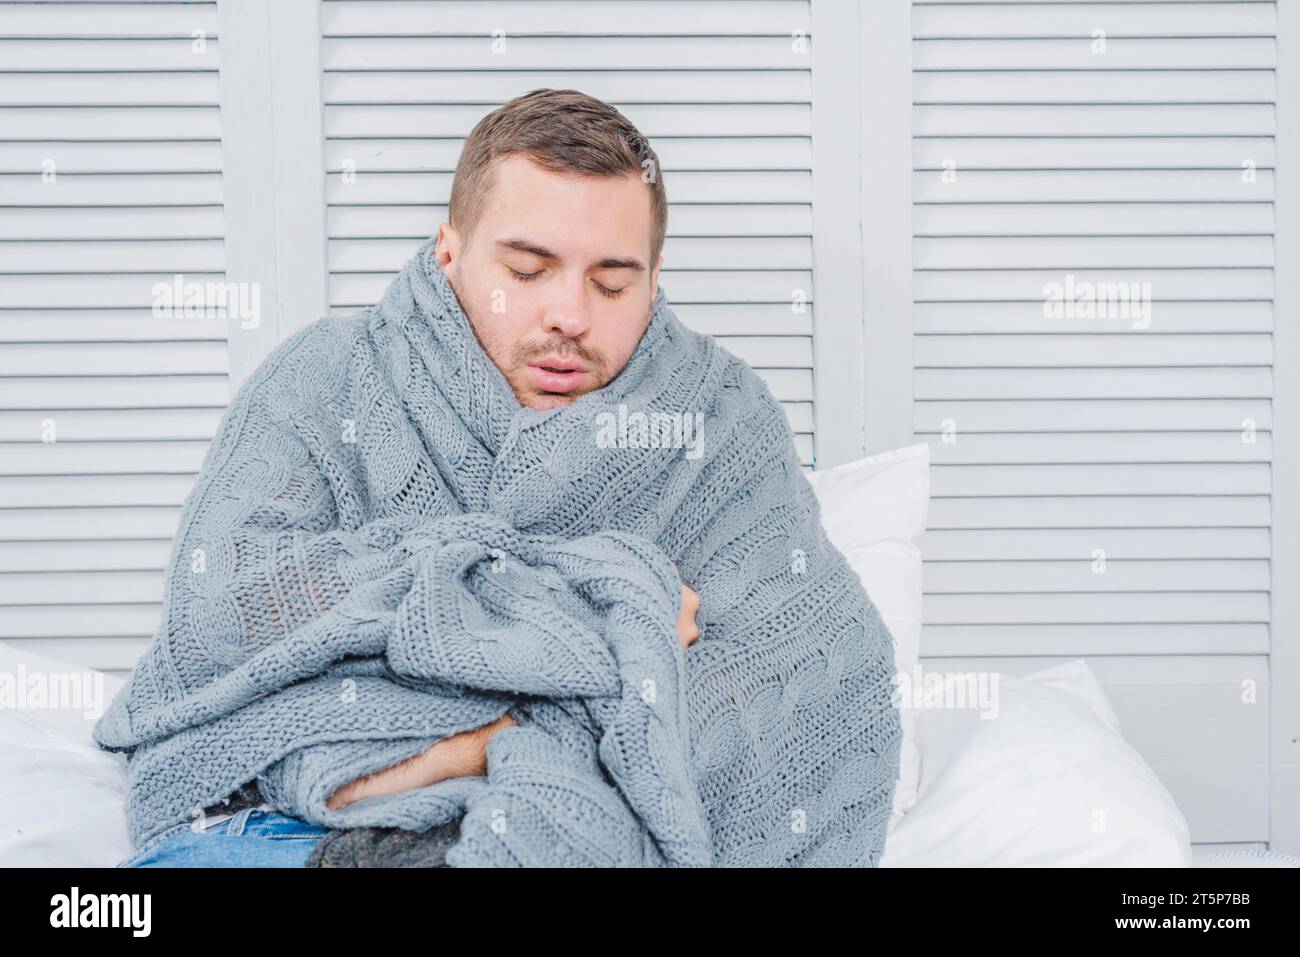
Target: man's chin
(542, 401)
(527, 394)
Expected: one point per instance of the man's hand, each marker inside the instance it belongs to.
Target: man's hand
(460, 755)
(687, 629)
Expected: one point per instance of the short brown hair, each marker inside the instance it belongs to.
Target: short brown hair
(561, 131)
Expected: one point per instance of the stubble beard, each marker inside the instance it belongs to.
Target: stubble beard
(511, 359)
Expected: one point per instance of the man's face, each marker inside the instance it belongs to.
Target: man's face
(555, 279)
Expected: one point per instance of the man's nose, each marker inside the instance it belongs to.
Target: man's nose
(568, 314)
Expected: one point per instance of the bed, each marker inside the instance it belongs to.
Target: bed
(1015, 768)
(1051, 783)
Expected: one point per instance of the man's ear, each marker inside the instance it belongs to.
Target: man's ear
(447, 248)
(654, 277)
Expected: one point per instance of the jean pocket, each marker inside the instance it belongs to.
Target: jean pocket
(282, 827)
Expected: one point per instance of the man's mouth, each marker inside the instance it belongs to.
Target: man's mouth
(553, 374)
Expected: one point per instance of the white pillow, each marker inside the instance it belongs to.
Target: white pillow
(874, 511)
(94, 691)
(1048, 781)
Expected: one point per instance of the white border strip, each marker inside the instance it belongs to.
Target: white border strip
(886, 216)
(273, 169)
(838, 374)
(1284, 627)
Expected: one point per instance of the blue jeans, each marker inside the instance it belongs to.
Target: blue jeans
(254, 837)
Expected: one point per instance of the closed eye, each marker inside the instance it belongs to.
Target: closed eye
(529, 276)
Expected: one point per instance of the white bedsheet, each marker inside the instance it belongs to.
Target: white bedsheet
(1022, 789)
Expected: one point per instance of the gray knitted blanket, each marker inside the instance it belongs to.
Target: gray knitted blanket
(384, 548)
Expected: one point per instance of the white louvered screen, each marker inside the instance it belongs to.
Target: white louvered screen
(110, 182)
(718, 87)
(1069, 440)
(1075, 434)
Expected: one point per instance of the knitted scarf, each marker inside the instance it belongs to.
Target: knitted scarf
(383, 548)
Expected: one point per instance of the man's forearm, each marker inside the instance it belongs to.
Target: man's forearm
(460, 755)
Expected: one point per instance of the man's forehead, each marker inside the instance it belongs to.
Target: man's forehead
(526, 202)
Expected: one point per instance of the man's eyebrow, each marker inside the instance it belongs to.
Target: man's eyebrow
(609, 262)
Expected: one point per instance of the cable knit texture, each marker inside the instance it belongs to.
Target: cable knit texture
(383, 548)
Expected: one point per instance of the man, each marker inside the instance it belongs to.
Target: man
(579, 302)
(411, 541)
